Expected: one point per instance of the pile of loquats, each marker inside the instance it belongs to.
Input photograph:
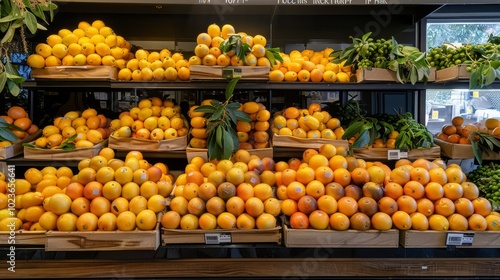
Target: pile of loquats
(152, 119)
(106, 194)
(84, 129)
(19, 117)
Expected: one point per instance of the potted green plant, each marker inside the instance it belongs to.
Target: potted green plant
(15, 17)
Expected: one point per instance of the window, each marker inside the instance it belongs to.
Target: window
(473, 106)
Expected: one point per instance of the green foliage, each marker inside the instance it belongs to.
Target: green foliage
(221, 124)
(235, 44)
(6, 133)
(408, 62)
(483, 143)
(412, 134)
(17, 15)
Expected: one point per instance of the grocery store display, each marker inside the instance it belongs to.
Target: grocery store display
(312, 122)
(487, 178)
(15, 125)
(332, 192)
(74, 130)
(482, 136)
(152, 119)
(407, 62)
(105, 194)
(225, 194)
(481, 60)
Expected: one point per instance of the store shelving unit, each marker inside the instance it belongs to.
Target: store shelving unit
(335, 19)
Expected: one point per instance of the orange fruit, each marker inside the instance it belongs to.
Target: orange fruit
(419, 221)
(347, 206)
(401, 220)
(299, 220)
(482, 206)
(381, 221)
(444, 206)
(407, 204)
(387, 205)
(189, 222)
(414, 189)
(458, 222)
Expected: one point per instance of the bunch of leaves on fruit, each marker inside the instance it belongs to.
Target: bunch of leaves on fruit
(74, 130)
(312, 122)
(310, 66)
(105, 194)
(481, 60)
(408, 62)
(89, 44)
(328, 191)
(221, 124)
(483, 136)
(152, 119)
(236, 193)
(251, 135)
(224, 47)
(160, 65)
(487, 178)
(406, 133)
(15, 126)
(22, 16)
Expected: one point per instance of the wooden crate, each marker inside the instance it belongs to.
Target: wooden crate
(375, 75)
(87, 72)
(146, 145)
(17, 148)
(23, 237)
(457, 72)
(312, 238)
(461, 151)
(305, 143)
(180, 236)
(437, 239)
(102, 240)
(383, 153)
(202, 72)
(58, 154)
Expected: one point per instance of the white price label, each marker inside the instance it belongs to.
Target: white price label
(393, 154)
(459, 239)
(217, 238)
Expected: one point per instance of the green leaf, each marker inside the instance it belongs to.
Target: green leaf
(228, 145)
(217, 114)
(30, 21)
(413, 76)
(3, 80)
(489, 76)
(29, 145)
(219, 135)
(242, 116)
(232, 115)
(13, 88)
(362, 140)
(477, 152)
(8, 135)
(366, 36)
(205, 109)
(352, 130)
(8, 36)
(230, 88)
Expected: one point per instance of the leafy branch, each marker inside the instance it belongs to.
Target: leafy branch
(221, 124)
(235, 44)
(409, 63)
(483, 143)
(412, 134)
(17, 14)
(5, 131)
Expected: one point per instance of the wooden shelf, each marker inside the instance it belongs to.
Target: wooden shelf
(259, 267)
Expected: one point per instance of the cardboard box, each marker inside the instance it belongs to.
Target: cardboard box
(58, 154)
(203, 153)
(23, 237)
(17, 147)
(375, 75)
(437, 239)
(457, 72)
(201, 72)
(305, 143)
(146, 145)
(234, 236)
(313, 238)
(432, 75)
(87, 72)
(102, 240)
(383, 153)
(461, 151)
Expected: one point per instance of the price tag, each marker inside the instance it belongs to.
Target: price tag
(435, 115)
(230, 73)
(396, 154)
(475, 94)
(459, 239)
(217, 238)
